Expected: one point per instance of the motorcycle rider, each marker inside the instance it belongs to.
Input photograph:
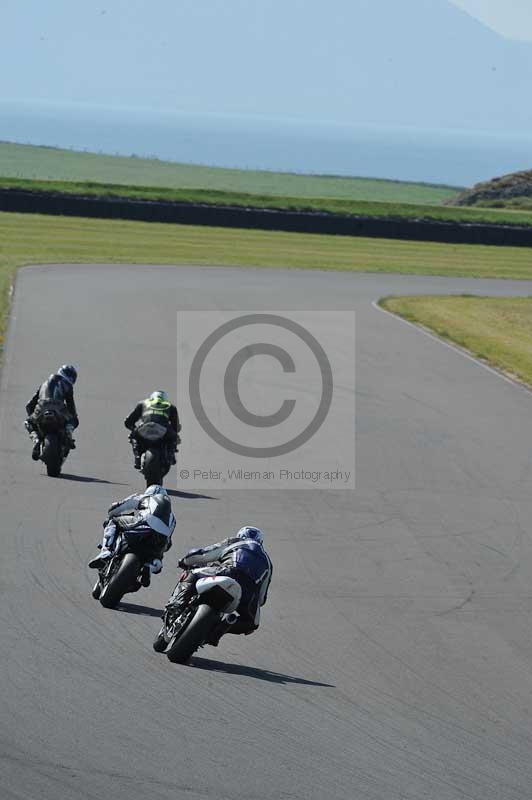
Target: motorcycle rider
(56, 392)
(149, 515)
(155, 410)
(241, 557)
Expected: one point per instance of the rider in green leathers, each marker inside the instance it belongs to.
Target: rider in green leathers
(153, 415)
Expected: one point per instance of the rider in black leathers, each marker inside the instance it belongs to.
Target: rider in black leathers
(156, 410)
(56, 392)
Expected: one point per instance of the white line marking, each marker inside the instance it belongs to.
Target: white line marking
(456, 348)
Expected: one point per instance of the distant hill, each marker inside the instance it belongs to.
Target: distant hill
(507, 191)
(53, 164)
(419, 63)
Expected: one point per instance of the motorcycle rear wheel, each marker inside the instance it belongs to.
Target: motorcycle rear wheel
(51, 455)
(153, 468)
(185, 644)
(121, 582)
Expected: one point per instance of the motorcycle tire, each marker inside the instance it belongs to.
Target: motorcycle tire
(51, 455)
(185, 644)
(160, 643)
(97, 590)
(121, 582)
(152, 468)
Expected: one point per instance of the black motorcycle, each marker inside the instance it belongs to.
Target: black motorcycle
(154, 464)
(154, 461)
(55, 443)
(213, 607)
(126, 570)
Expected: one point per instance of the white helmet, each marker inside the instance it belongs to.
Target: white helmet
(250, 532)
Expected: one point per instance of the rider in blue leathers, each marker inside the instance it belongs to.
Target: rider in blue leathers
(241, 557)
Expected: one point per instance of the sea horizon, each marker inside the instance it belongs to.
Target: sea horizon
(451, 157)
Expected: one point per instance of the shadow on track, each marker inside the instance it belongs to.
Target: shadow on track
(88, 479)
(189, 495)
(254, 672)
(147, 611)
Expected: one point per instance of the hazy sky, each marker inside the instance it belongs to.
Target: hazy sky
(417, 63)
(512, 18)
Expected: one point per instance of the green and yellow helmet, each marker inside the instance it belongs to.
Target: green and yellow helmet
(159, 398)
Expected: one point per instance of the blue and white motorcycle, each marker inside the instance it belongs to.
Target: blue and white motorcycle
(211, 608)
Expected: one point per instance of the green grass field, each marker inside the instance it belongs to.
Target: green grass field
(47, 169)
(36, 239)
(496, 330)
(47, 163)
(331, 205)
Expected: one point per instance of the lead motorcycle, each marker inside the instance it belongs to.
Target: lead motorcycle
(126, 571)
(213, 605)
(154, 461)
(50, 426)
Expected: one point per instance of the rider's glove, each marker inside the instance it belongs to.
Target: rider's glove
(181, 564)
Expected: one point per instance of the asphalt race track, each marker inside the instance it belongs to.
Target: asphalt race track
(394, 658)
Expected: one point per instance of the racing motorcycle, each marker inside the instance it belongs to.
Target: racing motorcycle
(154, 461)
(55, 445)
(126, 571)
(213, 605)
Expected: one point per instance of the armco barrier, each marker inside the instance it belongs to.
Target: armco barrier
(264, 219)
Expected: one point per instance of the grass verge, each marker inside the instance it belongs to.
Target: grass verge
(38, 239)
(331, 205)
(496, 330)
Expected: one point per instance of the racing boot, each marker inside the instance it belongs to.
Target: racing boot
(223, 626)
(100, 560)
(150, 568)
(36, 451)
(216, 634)
(136, 452)
(69, 430)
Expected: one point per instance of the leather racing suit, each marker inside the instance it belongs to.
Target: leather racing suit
(55, 393)
(146, 515)
(244, 560)
(144, 417)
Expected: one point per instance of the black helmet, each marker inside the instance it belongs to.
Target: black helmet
(68, 372)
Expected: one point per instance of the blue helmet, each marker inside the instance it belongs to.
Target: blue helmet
(69, 373)
(250, 532)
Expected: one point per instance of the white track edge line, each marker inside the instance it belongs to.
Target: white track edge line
(456, 348)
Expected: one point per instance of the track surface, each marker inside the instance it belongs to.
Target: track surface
(395, 656)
